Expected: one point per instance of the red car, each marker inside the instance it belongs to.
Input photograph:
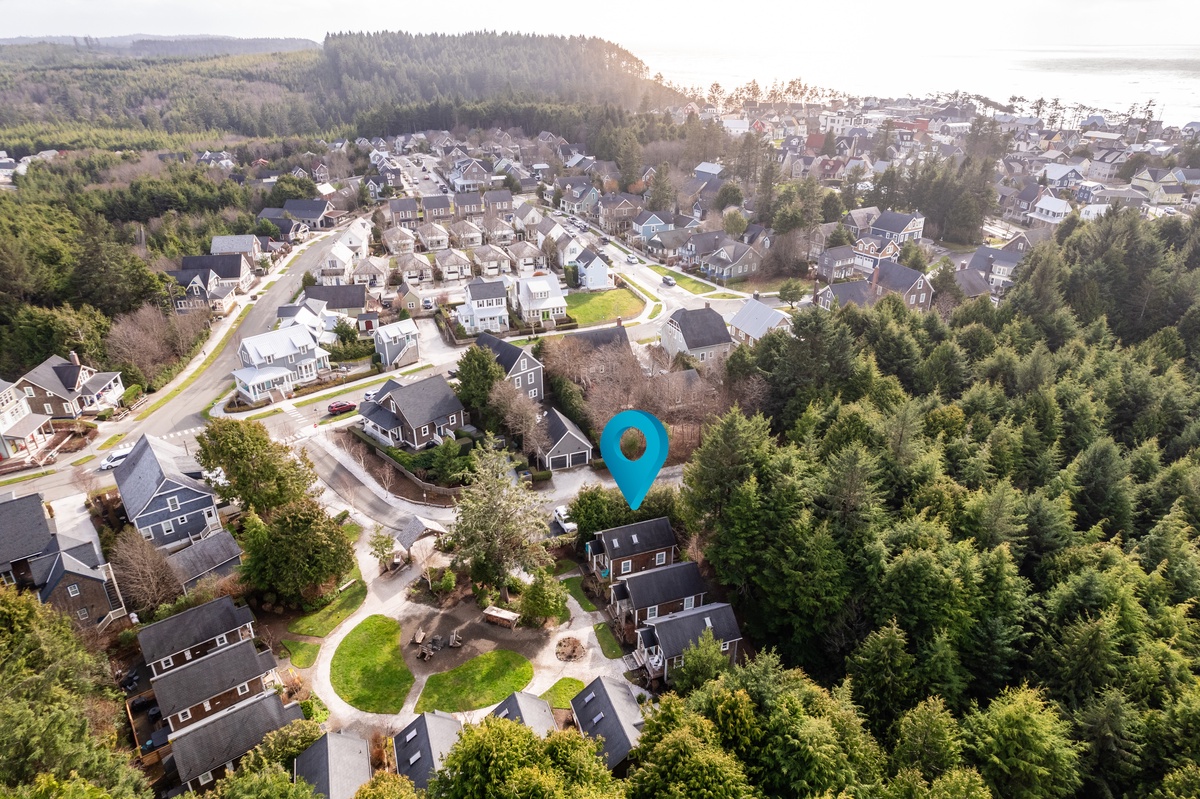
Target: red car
(341, 406)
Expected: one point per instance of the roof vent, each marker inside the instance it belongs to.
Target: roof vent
(616, 543)
(589, 697)
(503, 714)
(635, 538)
(708, 622)
(597, 718)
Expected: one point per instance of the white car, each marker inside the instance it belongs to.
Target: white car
(564, 521)
(631, 259)
(370, 395)
(115, 459)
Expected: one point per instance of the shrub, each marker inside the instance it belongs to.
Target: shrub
(132, 394)
(105, 415)
(541, 477)
(598, 464)
(341, 517)
(314, 709)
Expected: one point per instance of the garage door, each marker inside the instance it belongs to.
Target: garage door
(558, 462)
(579, 458)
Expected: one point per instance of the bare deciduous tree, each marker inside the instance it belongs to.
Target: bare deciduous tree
(521, 415)
(566, 356)
(142, 572)
(149, 340)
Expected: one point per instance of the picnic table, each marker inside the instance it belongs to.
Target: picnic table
(418, 637)
(505, 618)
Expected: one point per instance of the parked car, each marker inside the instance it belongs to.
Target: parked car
(668, 280)
(370, 395)
(341, 406)
(605, 240)
(115, 459)
(631, 259)
(564, 520)
(427, 303)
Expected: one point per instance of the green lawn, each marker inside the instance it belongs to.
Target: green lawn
(111, 441)
(479, 682)
(339, 417)
(658, 308)
(83, 460)
(25, 477)
(564, 566)
(723, 295)
(368, 669)
(560, 694)
(340, 391)
(303, 654)
(321, 623)
(768, 285)
(575, 587)
(608, 641)
(686, 283)
(604, 306)
(353, 531)
(264, 414)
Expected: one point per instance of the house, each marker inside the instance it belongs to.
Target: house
(1049, 212)
(891, 277)
(859, 221)
(668, 245)
(465, 234)
(277, 361)
(189, 635)
(247, 246)
(290, 230)
(1026, 240)
(568, 445)
(491, 260)
(357, 238)
(593, 271)
(437, 208)
(399, 240)
(164, 494)
(663, 642)
(579, 196)
(348, 300)
(498, 231)
(336, 268)
(526, 255)
(836, 263)
(454, 264)
(206, 752)
(233, 270)
(656, 592)
(405, 212)
(485, 307)
(732, 260)
(336, 765)
(63, 388)
(647, 223)
(423, 744)
(856, 292)
(525, 217)
(755, 319)
(396, 344)
(371, 271)
(897, 227)
(433, 237)
(520, 367)
(972, 282)
(1061, 176)
(65, 569)
(1156, 182)
(606, 709)
(538, 300)
(468, 204)
(216, 555)
(469, 174)
(528, 709)
(414, 415)
(202, 290)
(204, 687)
(701, 244)
(630, 549)
(617, 212)
(699, 333)
(366, 323)
(998, 267)
(414, 268)
(314, 213)
(498, 202)
(313, 316)
(23, 433)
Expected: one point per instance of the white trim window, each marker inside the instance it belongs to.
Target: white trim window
(185, 715)
(73, 590)
(172, 504)
(626, 566)
(147, 533)
(724, 646)
(652, 612)
(660, 559)
(168, 527)
(222, 639)
(181, 521)
(243, 689)
(205, 778)
(689, 602)
(28, 391)
(82, 613)
(167, 663)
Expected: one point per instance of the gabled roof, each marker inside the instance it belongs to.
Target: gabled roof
(215, 673)
(353, 296)
(636, 538)
(204, 556)
(403, 205)
(425, 401)
(337, 765)
(701, 327)
(480, 289)
(895, 276)
(856, 292)
(151, 463)
(607, 709)
(422, 745)
(202, 747)
(653, 587)
(436, 202)
(191, 627)
(61, 377)
(228, 267)
(25, 529)
(528, 709)
(755, 318)
(893, 221)
(675, 632)
(985, 257)
(597, 338)
(559, 426)
(861, 217)
(307, 209)
(232, 244)
(497, 196)
(507, 355)
(972, 282)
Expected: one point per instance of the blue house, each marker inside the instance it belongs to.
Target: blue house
(897, 227)
(647, 223)
(165, 496)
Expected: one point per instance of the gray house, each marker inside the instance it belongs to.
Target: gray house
(520, 368)
(528, 709)
(607, 709)
(396, 344)
(164, 495)
(217, 555)
(347, 300)
(699, 333)
(422, 746)
(569, 446)
(337, 765)
(415, 415)
(664, 640)
(314, 213)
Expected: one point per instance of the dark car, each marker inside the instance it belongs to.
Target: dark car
(605, 240)
(341, 406)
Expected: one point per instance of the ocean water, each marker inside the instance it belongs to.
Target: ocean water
(1096, 78)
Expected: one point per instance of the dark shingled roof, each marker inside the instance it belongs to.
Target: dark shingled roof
(337, 765)
(701, 327)
(528, 709)
(215, 673)
(423, 744)
(203, 747)
(424, 401)
(558, 426)
(895, 276)
(638, 537)
(191, 627)
(664, 584)
(24, 529)
(435, 202)
(607, 709)
(598, 338)
(856, 292)
(205, 556)
(675, 632)
(481, 289)
(228, 267)
(893, 221)
(507, 355)
(354, 296)
(306, 209)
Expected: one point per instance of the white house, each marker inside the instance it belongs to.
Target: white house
(593, 272)
(397, 344)
(485, 308)
(277, 361)
(336, 269)
(1049, 212)
(538, 300)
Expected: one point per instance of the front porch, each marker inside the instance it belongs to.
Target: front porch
(267, 384)
(26, 437)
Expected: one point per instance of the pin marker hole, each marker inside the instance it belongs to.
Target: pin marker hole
(633, 444)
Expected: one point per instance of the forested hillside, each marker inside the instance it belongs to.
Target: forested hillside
(306, 91)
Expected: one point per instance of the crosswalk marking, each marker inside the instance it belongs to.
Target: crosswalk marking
(191, 431)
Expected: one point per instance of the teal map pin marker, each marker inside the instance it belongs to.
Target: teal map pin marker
(634, 478)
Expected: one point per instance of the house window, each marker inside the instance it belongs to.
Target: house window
(652, 613)
(724, 646)
(187, 654)
(28, 391)
(270, 358)
(207, 705)
(167, 662)
(425, 430)
(181, 521)
(73, 590)
(222, 639)
(172, 504)
(660, 558)
(206, 777)
(168, 527)
(82, 614)
(518, 381)
(523, 367)
(450, 419)
(184, 715)
(533, 393)
(412, 734)
(922, 297)
(147, 533)
(49, 409)
(689, 602)
(626, 566)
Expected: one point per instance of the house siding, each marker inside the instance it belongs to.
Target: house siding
(641, 614)
(639, 563)
(222, 701)
(186, 656)
(192, 507)
(92, 598)
(60, 407)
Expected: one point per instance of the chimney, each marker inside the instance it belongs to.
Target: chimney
(991, 260)
(620, 322)
(74, 358)
(706, 305)
(962, 265)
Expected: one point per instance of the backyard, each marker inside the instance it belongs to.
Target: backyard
(368, 669)
(481, 681)
(603, 306)
(560, 694)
